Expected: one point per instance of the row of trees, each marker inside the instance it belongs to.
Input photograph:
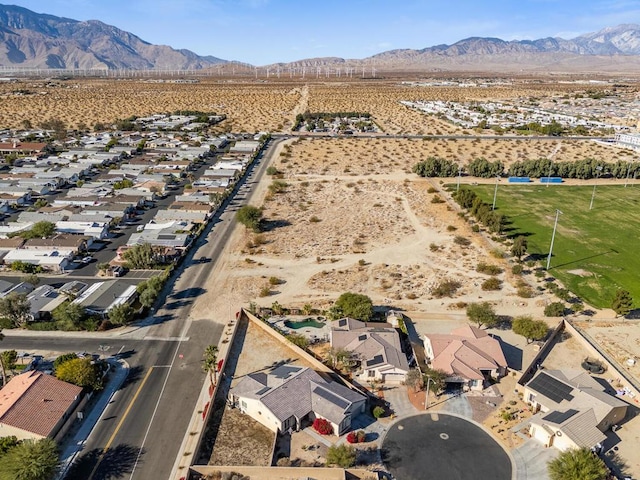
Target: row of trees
(480, 167)
(482, 211)
(28, 459)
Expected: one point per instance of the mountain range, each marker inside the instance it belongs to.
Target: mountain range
(33, 40)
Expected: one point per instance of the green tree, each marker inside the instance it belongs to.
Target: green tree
(65, 357)
(622, 303)
(298, 339)
(121, 314)
(250, 217)
(41, 229)
(148, 297)
(482, 314)
(15, 310)
(9, 359)
(355, 305)
(437, 379)
(30, 460)
(414, 379)
(519, 247)
(70, 314)
(344, 456)
(210, 363)
(7, 443)
(577, 464)
(340, 358)
(529, 328)
(32, 278)
(140, 256)
(81, 372)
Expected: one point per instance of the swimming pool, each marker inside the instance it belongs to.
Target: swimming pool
(306, 323)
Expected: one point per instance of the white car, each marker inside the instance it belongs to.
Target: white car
(86, 260)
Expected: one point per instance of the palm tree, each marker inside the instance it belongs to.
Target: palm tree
(210, 363)
(577, 464)
(307, 308)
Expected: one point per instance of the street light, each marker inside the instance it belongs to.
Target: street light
(426, 397)
(495, 193)
(553, 237)
(593, 195)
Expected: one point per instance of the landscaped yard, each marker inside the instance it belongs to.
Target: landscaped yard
(595, 250)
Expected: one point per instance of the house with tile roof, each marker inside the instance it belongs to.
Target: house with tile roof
(291, 397)
(34, 405)
(468, 355)
(375, 347)
(573, 408)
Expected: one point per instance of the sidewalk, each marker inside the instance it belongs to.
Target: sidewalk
(73, 446)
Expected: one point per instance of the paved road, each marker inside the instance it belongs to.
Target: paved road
(443, 446)
(439, 137)
(142, 429)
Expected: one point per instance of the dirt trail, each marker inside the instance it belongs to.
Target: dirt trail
(303, 103)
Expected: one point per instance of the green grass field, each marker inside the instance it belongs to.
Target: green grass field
(604, 241)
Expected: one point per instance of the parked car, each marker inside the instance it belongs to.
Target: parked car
(86, 260)
(119, 271)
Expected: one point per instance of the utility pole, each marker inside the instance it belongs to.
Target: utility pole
(495, 193)
(426, 397)
(593, 195)
(553, 237)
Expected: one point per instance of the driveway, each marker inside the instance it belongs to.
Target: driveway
(531, 460)
(399, 401)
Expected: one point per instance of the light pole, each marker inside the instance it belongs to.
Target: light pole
(593, 195)
(553, 237)
(495, 193)
(426, 397)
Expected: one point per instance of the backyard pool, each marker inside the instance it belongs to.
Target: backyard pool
(307, 322)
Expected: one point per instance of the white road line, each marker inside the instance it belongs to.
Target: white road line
(166, 379)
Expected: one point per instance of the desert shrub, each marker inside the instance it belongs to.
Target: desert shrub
(378, 412)
(554, 309)
(314, 219)
(437, 199)
(524, 291)
(265, 291)
(488, 269)
(434, 247)
(451, 228)
(462, 241)
(506, 416)
(492, 283)
(517, 269)
(497, 253)
(475, 228)
(446, 288)
(274, 281)
(322, 426)
(343, 456)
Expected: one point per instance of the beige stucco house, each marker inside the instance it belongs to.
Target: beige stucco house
(34, 405)
(468, 355)
(376, 349)
(574, 410)
(291, 397)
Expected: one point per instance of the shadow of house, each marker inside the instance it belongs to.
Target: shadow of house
(512, 354)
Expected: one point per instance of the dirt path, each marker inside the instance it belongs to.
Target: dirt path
(303, 103)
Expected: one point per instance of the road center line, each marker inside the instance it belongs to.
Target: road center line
(153, 415)
(124, 416)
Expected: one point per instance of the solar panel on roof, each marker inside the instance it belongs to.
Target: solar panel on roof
(375, 360)
(263, 390)
(284, 371)
(166, 236)
(551, 388)
(330, 397)
(560, 417)
(362, 338)
(342, 323)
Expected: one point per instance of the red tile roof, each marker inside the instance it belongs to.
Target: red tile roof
(35, 402)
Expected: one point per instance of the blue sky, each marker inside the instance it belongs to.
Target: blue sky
(267, 31)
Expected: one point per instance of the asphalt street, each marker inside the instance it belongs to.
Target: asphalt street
(437, 445)
(140, 432)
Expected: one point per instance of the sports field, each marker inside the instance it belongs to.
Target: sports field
(595, 251)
